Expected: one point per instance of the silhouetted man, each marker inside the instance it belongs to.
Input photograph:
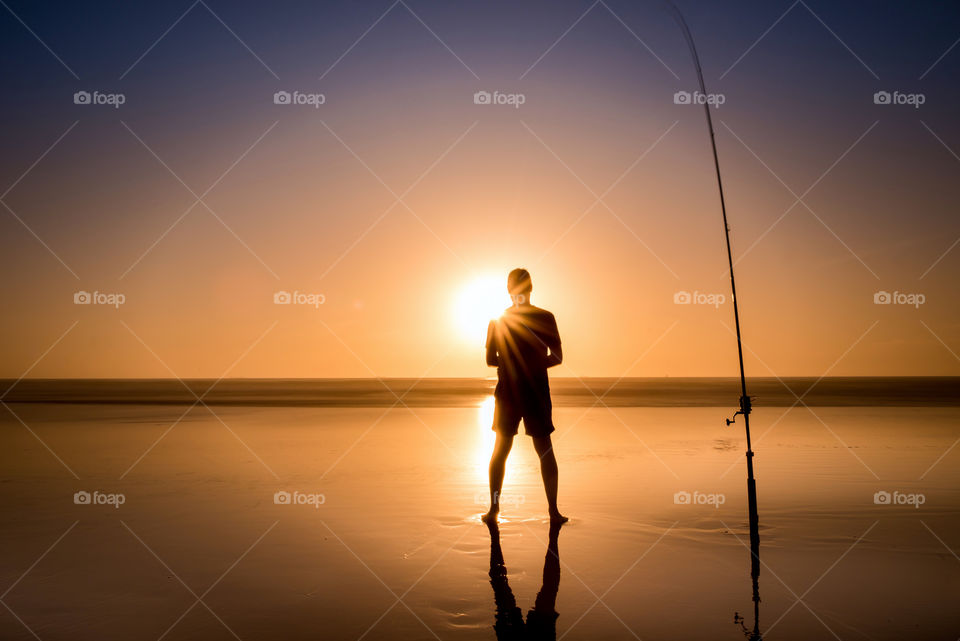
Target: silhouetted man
(522, 344)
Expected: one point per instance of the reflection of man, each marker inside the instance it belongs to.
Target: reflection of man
(542, 619)
(522, 344)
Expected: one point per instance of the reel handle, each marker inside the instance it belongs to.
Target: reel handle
(746, 406)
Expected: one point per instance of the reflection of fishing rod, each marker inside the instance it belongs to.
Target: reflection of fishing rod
(745, 405)
(754, 634)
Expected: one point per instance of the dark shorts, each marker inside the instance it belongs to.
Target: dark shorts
(537, 417)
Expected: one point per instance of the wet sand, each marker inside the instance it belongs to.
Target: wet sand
(396, 549)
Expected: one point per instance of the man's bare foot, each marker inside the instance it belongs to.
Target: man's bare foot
(556, 517)
(490, 517)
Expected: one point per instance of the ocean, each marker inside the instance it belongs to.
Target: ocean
(880, 391)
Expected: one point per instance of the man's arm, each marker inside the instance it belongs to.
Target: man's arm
(555, 357)
(492, 360)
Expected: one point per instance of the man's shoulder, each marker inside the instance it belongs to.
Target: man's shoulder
(532, 314)
(543, 320)
(539, 311)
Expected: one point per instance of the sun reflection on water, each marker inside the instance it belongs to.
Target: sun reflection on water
(485, 437)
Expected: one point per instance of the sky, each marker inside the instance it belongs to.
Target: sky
(187, 195)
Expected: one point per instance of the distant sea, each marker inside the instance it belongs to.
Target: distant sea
(468, 392)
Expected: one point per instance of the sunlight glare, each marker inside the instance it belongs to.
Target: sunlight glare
(480, 301)
(487, 436)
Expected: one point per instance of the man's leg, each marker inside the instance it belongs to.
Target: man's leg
(548, 470)
(498, 465)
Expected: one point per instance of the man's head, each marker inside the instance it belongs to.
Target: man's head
(519, 285)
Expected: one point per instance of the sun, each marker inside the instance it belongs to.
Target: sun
(482, 299)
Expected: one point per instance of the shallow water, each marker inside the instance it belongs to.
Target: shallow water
(396, 549)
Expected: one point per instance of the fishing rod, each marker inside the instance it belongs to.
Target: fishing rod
(745, 403)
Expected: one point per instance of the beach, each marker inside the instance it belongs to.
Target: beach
(273, 273)
(278, 521)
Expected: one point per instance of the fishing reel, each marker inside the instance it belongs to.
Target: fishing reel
(746, 406)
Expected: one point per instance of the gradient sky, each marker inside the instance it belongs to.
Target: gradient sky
(97, 198)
